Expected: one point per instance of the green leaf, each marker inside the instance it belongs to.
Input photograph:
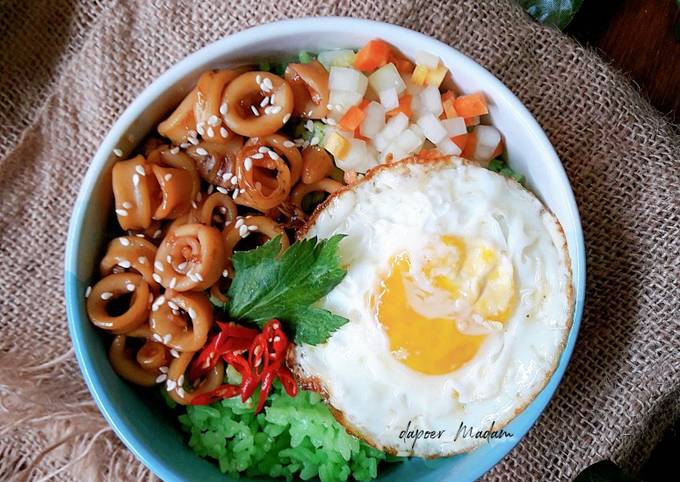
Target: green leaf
(552, 12)
(267, 285)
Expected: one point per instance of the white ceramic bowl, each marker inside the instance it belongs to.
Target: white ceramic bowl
(154, 438)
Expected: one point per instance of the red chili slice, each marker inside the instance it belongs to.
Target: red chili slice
(221, 392)
(288, 381)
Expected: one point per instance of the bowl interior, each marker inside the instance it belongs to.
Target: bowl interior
(140, 422)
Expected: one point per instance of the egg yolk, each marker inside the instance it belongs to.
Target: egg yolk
(422, 304)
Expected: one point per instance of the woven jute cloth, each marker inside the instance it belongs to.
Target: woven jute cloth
(68, 68)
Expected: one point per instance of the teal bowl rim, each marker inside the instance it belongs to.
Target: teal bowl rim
(74, 289)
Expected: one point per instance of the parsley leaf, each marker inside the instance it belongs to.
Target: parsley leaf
(267, 285)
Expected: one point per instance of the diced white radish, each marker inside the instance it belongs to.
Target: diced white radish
(432, 128)
(348, 80)
(392, 153)
(455, 126)
(358, 157)
(410, 141)
(344, 100)
(431, 100)
(387, 77)
(447, 146)
(380, 141)
(426, 59)
(395, 126)
(488, 139)
(389, 98)
(336, 58)
(374, 120)
(417, 130)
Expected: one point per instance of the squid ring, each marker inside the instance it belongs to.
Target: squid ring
(316, 164)
(127, 367)
(170, 326)
(282, 146)
(223, 203)
(301, 190)
(114, 286)
(258, 189)
(261, 224)
(310, 87)
(244, 96)
(131, 252)
(176, 382)
(190, 258)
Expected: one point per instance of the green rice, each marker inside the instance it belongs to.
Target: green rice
(293, 437)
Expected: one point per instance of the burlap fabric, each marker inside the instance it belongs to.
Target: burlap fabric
(69, 68)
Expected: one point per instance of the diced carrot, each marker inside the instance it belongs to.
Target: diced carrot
(404, 106)
(447, 102)
(352, 118)
(471, 121)
(471, 105)
(357, 134)
(448, 95)
(460, 140)
(364, 103)
(499, 150)
(470, 145)
(372, 56)
(404, 66)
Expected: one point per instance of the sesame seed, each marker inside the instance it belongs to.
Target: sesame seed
(158, 265)
(193, 140)
(130, 287)
(213, 120)
(277, 338)
(263, 149)
(157, 337)
(252, 228)
(135, 179)
(192, 313)
(222, 190)
(225, 273)
(211, 132)
(272, 99)
(329, 106)
(174, 150)
(140, 235)
(309, 125)
(173, 305)
(167, 338)
(180, 380)
(142, 260)
(224, 108)
(124, 263)
(275, 109)
(254, 109)
(243, 230)
(88, 290)
(157, 234)
(286, 118)
(235, 194)
(194, 205)
(156, 277)
(258, 155)
(173, 283)
(163, 369)
(234, 180)
(198, 276)
(124, 241)
(121, 212)
(264, 102)
(167, 177)
(171, 384)
(314, 141)
(258, 79)
(117, 152)
(248, 164)
(181, 392)
(288, 144)
(274, 155)
(140, 170)
(106, 295)
(200, 128)
(185, 145)
(174, 353)
(239, 223)
(267, 84)
(182, 265)
(201, 152)
(329, 121)
(168, 258)
(224, 132)
(161, 378)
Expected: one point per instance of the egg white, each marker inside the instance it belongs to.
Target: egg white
(405, 207)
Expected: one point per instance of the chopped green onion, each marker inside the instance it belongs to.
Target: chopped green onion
(305, 57)
(265, 66)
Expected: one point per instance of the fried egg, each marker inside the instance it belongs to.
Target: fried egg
(459, 299)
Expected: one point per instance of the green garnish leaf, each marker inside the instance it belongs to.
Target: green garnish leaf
(268, 285)
(306, 57)
(499, 166)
